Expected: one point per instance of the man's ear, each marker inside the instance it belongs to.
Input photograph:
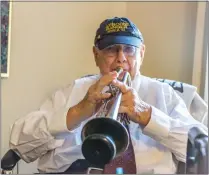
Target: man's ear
(95, 51)
(142, 52)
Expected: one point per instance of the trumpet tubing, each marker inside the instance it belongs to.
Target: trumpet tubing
(106, 137)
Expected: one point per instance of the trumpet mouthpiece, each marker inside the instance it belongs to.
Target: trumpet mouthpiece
(119, 70)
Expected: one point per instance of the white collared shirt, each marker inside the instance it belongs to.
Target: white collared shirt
(43, 133)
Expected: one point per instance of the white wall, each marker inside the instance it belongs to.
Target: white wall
(52, 45)
(206, 81)
(199, 62)
(169, 31)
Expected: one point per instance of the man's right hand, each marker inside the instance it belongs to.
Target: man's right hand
(87, 107)
(94, 94)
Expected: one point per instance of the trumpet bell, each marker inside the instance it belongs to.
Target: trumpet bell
(103, 139)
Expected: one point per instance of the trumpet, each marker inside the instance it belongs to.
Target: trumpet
(106, 136)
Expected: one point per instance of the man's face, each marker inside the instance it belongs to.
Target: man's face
(128, 57)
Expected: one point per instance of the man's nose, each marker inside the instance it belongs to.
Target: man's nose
(121, 58)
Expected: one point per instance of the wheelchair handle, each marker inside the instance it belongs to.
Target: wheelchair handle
(9, 161)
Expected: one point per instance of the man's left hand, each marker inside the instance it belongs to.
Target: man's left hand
(132, 105)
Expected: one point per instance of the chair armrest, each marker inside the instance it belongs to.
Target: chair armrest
(197, 152)
(9, 161)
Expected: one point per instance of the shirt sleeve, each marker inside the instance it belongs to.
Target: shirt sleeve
(171, 128)
(36, 133)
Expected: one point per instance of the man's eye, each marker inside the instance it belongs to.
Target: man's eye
(129, 49)
(110, 48)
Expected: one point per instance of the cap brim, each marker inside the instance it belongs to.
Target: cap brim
(111, 40)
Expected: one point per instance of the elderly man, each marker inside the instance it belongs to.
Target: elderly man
(159, 118)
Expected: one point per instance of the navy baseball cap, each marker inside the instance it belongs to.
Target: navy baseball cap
(117, 31)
